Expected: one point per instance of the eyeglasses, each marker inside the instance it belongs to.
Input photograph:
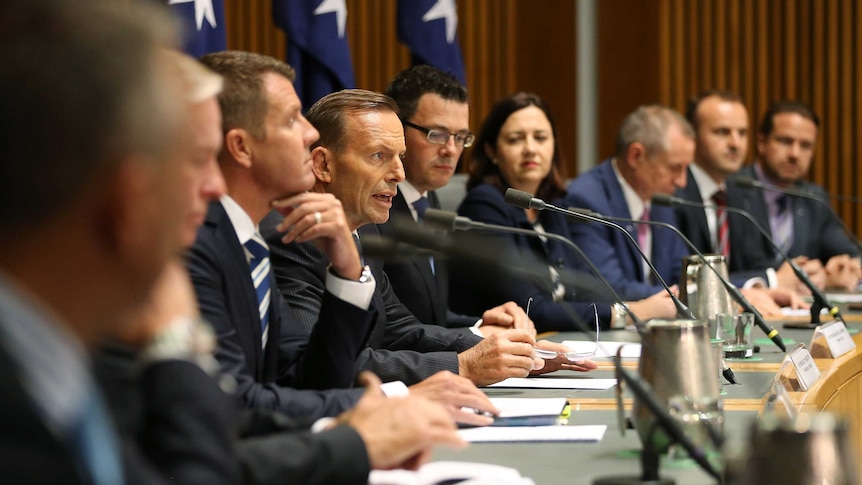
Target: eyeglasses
(440, 137)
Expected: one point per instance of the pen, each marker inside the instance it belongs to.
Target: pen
(727, 372)
(527, 310)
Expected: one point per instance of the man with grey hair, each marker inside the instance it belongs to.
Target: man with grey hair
(654, 148)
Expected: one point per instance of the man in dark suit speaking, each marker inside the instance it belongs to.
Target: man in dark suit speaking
(358, 159)
(433, 107)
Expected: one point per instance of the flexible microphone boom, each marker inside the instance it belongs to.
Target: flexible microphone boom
(733, 290)
(524, 200)
(820, 300)
(451, 220)
(751, 183)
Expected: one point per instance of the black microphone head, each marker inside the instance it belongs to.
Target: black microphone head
(744, 182)
(440, 218)
(663, 199)
(524, 200)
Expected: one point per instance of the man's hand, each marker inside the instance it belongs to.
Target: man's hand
(561, 362)
(329, 231)
(812, 267)
(658, 305)
(455, 392)
(843, 272)
(761, 299)
(399, 432)
(500, 356)
(507, 315)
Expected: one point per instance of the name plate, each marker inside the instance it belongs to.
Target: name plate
(806, 372)
(837, 337)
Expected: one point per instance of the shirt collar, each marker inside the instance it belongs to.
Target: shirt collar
(635, 204)
(244, 227)
(411, 195)
(705, 184)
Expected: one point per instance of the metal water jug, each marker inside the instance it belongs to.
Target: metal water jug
(701, 289)
(676, 360)
(795, 451)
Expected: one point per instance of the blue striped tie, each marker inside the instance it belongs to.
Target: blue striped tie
(260, 270)
(421, 205)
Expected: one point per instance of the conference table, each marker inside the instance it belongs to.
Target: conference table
(581, 463)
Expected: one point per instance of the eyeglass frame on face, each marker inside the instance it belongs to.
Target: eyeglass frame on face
(468, 138)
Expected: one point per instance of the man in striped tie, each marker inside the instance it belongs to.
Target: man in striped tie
(720, 121)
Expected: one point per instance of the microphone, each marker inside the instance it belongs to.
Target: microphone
(450, 220)
(733, 290)
(751, 183)
(524, 200)
(819, 299)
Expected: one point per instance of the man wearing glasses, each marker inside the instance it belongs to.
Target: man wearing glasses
(434, 111)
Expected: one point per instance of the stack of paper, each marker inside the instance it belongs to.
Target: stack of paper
(464, 473)
(549, 382)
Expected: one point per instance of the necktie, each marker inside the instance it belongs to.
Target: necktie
(643, 230)
(421, 205)
(260, 271)
(782, 231)
(723, 228)
(96, 443)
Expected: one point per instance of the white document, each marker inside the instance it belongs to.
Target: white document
(844, 297)
(445, 471)
(800, 312)
(557, 383)
(584, 434)
(605, 349)
(516, 407)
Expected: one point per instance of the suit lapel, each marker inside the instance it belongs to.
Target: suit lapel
(619, 208)
(238, 276)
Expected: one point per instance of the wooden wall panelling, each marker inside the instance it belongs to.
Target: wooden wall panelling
(546, 51)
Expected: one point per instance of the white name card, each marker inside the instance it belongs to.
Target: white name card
(806, 372)
(837, 337)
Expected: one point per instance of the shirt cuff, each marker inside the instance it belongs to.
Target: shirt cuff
(756, 282)
(394, 389)
(772, 277)
(356, 293)
(475, 328)
(322, 424)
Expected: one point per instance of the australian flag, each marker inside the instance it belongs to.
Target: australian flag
(203, 25)
(430, 30)
(316, 46)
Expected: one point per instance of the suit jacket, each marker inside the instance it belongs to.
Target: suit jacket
(293, 358)
(598, 190)
(423, 292)
(400, 347)
(816, 234)
(692, 223)
(178, 426)
(30, 453)
(474, 288)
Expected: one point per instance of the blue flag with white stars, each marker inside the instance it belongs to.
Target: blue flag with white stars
(317, 46)
(203, 25)
(430, 29)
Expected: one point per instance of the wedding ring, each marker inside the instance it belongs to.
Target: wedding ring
(317, 217)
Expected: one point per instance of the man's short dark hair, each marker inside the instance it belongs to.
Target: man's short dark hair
(767, 124)
(243, 99)
(411, 84)
(694, 103)
(79, 92)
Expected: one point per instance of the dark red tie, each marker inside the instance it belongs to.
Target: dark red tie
(720, 199)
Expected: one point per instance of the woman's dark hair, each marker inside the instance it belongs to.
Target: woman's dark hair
(483, 169)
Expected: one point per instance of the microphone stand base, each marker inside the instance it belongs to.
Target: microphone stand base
(632, 480)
